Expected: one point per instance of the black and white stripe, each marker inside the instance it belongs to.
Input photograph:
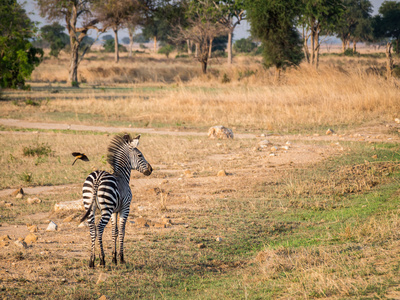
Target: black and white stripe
(111, 194)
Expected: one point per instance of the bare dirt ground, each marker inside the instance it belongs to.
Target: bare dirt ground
(158, 198)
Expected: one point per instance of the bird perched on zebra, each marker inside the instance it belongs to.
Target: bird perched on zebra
(111, 194)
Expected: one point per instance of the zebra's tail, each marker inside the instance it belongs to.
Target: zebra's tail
(95, 187)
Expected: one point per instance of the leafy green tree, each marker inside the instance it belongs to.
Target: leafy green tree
(244, 45)
(387, 23)
(18, 58)
(55, 36)
(109, 46)
(318, 17)
(355, 22)
(273, 22)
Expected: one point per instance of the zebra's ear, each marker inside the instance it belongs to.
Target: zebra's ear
(135, 141)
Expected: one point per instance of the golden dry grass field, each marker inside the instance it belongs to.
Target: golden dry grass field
(311, 215)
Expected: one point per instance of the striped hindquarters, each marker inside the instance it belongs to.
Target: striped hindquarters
(107, 191)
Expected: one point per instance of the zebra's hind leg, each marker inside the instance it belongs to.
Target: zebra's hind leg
(92, 228)
(105, 217)
(122, 222)
(114, 219)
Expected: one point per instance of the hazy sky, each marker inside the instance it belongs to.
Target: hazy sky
(240, 31)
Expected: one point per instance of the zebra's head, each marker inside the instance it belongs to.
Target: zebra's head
(138, 162)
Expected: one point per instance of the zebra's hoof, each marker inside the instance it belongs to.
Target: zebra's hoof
(121, 259)
(91, 264)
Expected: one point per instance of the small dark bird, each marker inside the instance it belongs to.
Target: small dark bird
(79, 156)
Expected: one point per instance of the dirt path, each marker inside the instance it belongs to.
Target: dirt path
(376, 133)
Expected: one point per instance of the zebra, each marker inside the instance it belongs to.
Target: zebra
(111, 194)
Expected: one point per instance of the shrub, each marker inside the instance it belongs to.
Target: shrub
(38, 150)
(167, 49)
(244, 45)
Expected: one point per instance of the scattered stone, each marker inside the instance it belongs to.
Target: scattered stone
(165, 181)
(397, 120)
(21, 244)
(264, 143)
(52, 226)
(33, 228)
(329, 132)
(220, 132)
(274, 148)
(8, 204)
(31, 238)
(68, 219)
(288, 143)
(33, 200)
(272, 154)
(103, 297)
(186, 226)
(201, 246)
(285, 147)
(221, 173)
(102, 277)
(4, 244)
(141, 222)
(263, 135)
(5, 238)
(166, 220)
(16, 192)
(188, 173)
(159, 225)
(316, 134)
(19, 196)
(83, 224)
(64, 280)
(219, 239)
(69, 205)
(374, 156)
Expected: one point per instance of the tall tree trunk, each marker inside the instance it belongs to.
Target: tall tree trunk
(210, 48)
(389, 61)
(397, 46)
(196, 53)
(305, 46)
(130, 43)
(73, 63)
(230, 47)
(189, 45)
(116, 50)
(155, 44)
(354, 46)
(277, 73)
(343, 45)
(312, 47)
(317, 50)
(204, 66)
(348, 43)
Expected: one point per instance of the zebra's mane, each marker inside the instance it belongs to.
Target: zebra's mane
(118, 150)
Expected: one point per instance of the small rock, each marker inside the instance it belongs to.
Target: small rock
(263, 135)
(21, 244)
(159, 225)
(219, 239)
(102, 277)
(64, 280)
(316, 134)
(103, 297)
(52, 226)
(19, 196)
(288, 143)
(4, 244)
(397, 120)
(68, 219)
(16, 192)
(165, 181)
(285, 147)
(329, 132)
(166, 220)
(374, 156)
(201, 246)
(82, 225)
(188, 173)
(221, 173)
(141, 222)
(264, 143)
(274, 148)
(33, 200)
(31, 238)
(8, 204)
(33, 228)
(220, 132)
(272, 154)
(5, 238)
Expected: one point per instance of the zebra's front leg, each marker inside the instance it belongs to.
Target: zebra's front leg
(114, 219)
(100, 229)
(92, 228)
(122, 221)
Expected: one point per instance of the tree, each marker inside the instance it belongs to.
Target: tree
(355, 22)
(72, 11)
(273, 22)
(388, 22)
(244, 45)
(18, 58)
(203, 27)
(232, 12)
(316, 18)
(55, 36)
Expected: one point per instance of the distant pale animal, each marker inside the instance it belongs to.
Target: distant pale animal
(111, 194)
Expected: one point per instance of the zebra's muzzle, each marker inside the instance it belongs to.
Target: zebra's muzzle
(148, 171)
